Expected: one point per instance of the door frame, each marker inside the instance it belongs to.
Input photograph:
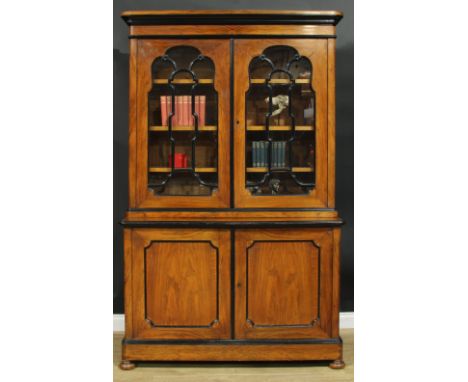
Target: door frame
(316, 51)
(142, 57)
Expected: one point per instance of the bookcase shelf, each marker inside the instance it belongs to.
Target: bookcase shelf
(293, 169)
(183, 128)
(279, 128)
(184, 81)
(279, 81)
(168, 169)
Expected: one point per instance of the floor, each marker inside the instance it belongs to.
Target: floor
(234, 372)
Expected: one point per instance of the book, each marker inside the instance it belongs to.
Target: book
(163, 100)
(184, 110)
(202, 110)
(259, 154)
(190, 120)
(254, 154)
(176, 111)
(282, 154)
(264, 154)
(169, 109)
(275, 161)
(197, 108)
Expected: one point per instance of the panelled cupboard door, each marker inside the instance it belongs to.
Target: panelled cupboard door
(280, 126)
(283, 283)
(181, 284)
(179, 123)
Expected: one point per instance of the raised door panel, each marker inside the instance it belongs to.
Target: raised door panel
(281, 126)
(181, 283)
(179, 131)
(283, 283)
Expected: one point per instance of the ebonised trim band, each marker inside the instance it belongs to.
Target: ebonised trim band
(234, 342)
(231, 224)
(231, 209)
(232, 19)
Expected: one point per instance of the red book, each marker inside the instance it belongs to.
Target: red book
(197, 108)
(202, 110)
(185, 101)
(190, 120)
(179, 160)
(163, 100)
(169, 109)
(177, 111)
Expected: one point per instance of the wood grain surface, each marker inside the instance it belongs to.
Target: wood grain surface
(180, 284)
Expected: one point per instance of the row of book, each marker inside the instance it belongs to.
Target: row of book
(260, 154)
(183, 110)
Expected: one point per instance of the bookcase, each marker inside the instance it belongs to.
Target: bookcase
(231, 238)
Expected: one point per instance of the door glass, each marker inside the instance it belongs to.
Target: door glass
(183, 124)
(280, 124)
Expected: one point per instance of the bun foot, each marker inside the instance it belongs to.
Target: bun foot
(127, 365)
(337, 364)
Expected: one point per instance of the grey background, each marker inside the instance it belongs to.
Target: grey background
(344, 120)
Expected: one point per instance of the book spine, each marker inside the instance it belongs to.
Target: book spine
(254, 154)
(191, 98)
(264, 154)
(272, 159)
(178, 116)
(168, 108)
(197, 108)
(279, 154)
(283, 154)
(163, 106)
(202, 110)
(186, 111)
(176, 110)
(260, 153)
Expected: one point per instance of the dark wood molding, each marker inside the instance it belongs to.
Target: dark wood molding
(218, 17)
(315, 320)
(232, 224)
(153, 324)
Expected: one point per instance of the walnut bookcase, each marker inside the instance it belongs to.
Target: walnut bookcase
(232, 240)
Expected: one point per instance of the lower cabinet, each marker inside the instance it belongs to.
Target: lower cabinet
(205, 294)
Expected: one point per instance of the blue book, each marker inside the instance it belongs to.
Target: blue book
(275, 154)
(264, 147)
(254, 154)
(282, 155)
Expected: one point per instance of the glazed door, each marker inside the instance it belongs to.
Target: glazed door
(283, 283)
(181, 150)
(280, 127)
(180, 280)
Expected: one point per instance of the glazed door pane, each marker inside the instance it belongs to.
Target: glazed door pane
(281, 123)
(182, 123)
